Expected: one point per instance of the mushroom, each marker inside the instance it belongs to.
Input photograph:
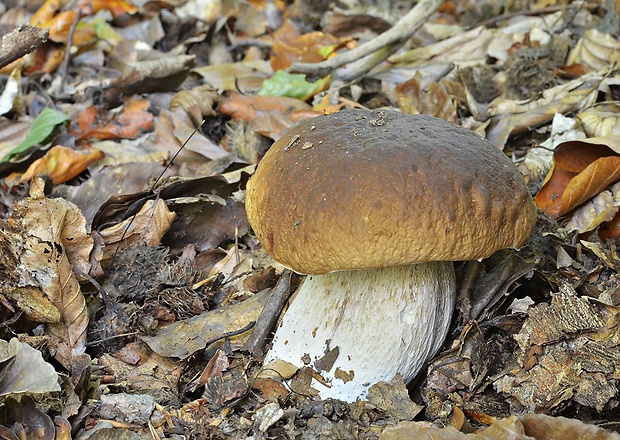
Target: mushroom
(374, 206)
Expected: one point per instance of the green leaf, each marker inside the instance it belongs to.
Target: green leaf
(294, 86)
(40, 130)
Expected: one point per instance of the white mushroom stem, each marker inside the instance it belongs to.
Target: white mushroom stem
(383, 321)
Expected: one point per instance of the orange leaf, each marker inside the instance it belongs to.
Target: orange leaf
(116, 7)
(308, 48)
(47, 58)
(60, 25)
(271, 116)
(581, 169)
(62, 164)
(45, 13)
(129, 124)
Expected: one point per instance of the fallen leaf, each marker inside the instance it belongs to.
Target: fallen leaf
(430, 100)
(54, 242)
(602, 119)
(98, 123)
(184, 338)
(24, 370)
(293, 86)
(581, 169)
(595, 50)
(271, 116)
(148, 227)
(41, 129)
(61, 164)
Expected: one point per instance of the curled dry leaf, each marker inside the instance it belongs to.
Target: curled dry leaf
(147, 227)
(581, 169)
(466, 46)
(432, 99)
(595, 50)
(515, 117)
(61, 164)
(54, 241)
(602, 119)
(601, 208)
(197, 102)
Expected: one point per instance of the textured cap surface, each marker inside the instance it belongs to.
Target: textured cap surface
(367, 189)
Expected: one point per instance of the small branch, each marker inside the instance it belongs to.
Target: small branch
(397, 34)
(21, 41)
(67, 59)
(269, 315)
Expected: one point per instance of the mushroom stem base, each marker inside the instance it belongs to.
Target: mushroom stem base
(357, 328)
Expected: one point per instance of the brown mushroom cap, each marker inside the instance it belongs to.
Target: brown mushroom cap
(368, 189)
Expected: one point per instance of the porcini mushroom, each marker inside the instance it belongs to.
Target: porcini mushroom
(374, 206)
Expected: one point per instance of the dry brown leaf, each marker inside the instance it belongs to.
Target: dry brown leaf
(581, 169)
(601, 208)
(245, 75)
(184, 338)
(197, 102)
(571, 93)
(431, 100)
(595, 50)
(515, 117)
(271, 116)
(61, 164)
(49, 229)
(98, 123)
(150, 76)
(147, 227)
(468, 45)
(541, 426)
(312, 47)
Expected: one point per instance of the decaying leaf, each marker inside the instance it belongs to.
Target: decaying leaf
(148, 226)
(54, 242)
(154, 75)
(432, 99)
(602, 208)
(184, 338)
(595, 50)
(514, 117)
(98, 123)
(528, 427)
(568, 349)
(24, 370)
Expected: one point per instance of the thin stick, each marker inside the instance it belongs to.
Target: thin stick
(399, 33)
(269, 315)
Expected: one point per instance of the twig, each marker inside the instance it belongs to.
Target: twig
(21, 41)
(230, 334)
(397, 34)
(531, 13)
(67, 59)
(269, 315)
